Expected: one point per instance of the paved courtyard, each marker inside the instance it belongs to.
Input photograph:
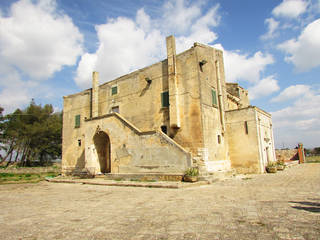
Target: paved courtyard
(285, 205)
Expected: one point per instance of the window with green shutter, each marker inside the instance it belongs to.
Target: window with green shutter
(165, 99)
(77, 121)
(214, 97)
(114, 90)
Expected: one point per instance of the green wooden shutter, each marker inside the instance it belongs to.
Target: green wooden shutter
(214, 97)
(165, 99)
(114, 90)
(77, 121)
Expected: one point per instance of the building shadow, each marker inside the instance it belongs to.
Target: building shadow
(307, 206)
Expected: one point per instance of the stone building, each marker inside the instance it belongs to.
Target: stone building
(165, 118)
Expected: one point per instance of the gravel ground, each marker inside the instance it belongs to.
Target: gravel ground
(285, 205)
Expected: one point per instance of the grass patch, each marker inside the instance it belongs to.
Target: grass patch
(313, 159)
(118, 179)
(24, 177)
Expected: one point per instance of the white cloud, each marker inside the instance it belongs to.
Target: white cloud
(291, 92)
(14, 92)
(290, 8)
(263, 88)
(272, 27)
(304, 52)
(299, 122)
(37, 39)
(242, 67)
(117, 54)
(35, 42)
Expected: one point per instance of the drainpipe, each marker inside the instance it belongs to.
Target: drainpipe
(220, 97)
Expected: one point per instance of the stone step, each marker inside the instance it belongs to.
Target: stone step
(142, 176)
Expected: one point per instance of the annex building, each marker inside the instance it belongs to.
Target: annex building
(165, 118)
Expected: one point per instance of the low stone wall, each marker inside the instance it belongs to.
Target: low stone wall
(287, 154)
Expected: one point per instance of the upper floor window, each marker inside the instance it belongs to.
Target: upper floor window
(114, 90)
(77, 121)
(165, 99)
(214, 97)
(246, 127)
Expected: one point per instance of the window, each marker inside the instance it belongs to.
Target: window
(114, 90)
(79, 142)
(77, 121)
(246, 127)
(214, 97)
(165, 99)
(115, 109)
(164, 129)
(219, 139)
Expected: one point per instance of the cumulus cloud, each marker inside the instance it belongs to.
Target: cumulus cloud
(304, 52)
(292, 92)
(118, 55)
(264, 87)
(243, 67)
(290, 8)
(37, 39)
(299, 122)
(272, 27)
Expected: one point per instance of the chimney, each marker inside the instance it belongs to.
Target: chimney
(172, 80)
(95, 94)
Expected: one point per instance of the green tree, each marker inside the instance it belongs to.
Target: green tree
(32, 134)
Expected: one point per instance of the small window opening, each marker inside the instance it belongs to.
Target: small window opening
(214, 97)
(115, 109)
(77, 121)
(219, 139)
(164, 129)
(114, 90)
(165, 99)
(79, 142)
(246, 127)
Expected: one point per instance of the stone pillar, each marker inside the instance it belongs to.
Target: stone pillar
(95, 95)
(172, 80)
(301, 153)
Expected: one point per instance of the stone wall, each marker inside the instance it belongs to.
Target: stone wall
(131, 150)
(287, 154)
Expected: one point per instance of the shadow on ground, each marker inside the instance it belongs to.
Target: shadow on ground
(307, 206)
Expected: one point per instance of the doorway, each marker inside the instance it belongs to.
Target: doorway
(102, 144)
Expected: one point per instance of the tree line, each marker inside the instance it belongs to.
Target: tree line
(30, 136)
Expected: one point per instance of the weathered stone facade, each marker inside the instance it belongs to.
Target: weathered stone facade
(165, 118)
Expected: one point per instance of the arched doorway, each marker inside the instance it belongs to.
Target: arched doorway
(102, 144)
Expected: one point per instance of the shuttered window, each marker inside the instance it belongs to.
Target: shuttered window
(214, 97)
(165, 99)
(114, 90)
(77, 121)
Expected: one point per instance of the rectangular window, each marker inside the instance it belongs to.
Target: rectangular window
(246, 127)
(219, 139)
(77, 121)
(115, 109)
(114, 90)
(214, 97)
(165, 99)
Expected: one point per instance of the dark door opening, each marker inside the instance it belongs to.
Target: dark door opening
(102, 144)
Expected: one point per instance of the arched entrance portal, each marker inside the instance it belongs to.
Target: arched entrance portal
(102, 144)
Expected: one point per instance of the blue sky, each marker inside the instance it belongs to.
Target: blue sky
(49, 49)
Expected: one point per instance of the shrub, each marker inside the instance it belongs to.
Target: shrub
(192, 172)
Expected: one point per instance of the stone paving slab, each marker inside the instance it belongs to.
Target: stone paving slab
(285, 205)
